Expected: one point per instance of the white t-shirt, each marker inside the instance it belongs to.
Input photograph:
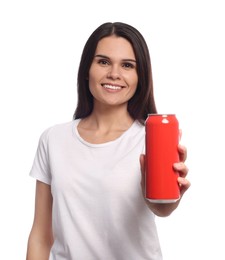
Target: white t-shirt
(99, 212)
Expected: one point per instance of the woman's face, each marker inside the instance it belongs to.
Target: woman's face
(113, 75)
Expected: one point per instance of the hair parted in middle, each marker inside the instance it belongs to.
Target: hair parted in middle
(143, 102)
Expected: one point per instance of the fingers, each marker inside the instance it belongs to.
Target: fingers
(180, 134)
(142, 163)
(184, 185)
(181, 168)
(182, 153)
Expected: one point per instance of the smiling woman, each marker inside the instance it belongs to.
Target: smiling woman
(113, 71)
(90, 171)
(143, 101)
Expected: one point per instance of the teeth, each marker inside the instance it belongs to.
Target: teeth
(111, 87)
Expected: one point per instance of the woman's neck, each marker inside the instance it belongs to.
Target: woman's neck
(104, 126)
(110, 118)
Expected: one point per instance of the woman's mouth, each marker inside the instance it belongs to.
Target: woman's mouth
(113, 87)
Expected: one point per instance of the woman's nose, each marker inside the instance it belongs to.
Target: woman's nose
(114, 72)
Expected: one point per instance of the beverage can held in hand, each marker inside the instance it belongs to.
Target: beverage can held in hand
(162, 138)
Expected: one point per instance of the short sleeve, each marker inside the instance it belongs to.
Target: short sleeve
(40, 169)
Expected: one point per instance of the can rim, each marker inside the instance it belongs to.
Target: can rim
(163, 115)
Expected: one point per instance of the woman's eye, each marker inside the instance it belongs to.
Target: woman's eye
(128, 65)
(103, 62)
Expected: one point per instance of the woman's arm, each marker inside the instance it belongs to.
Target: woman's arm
(41, 238)
(164, 210)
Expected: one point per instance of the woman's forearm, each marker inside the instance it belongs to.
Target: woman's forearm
(38, 249)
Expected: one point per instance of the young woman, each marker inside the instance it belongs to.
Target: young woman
(89, 193)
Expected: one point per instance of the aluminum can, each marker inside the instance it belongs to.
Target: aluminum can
(162, 138)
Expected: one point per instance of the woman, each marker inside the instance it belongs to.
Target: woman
(89, 192)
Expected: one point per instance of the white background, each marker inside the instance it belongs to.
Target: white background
(40, 47)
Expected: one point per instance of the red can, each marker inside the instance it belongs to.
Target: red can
(162, 138)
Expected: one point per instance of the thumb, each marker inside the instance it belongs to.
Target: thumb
(142, 163)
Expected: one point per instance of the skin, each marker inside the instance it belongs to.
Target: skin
(112, 81)
(41, 238)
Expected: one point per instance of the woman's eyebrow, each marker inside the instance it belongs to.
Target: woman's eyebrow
(101, 56)
(106, 57)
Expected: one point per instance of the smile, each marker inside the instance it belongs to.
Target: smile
(111, 87)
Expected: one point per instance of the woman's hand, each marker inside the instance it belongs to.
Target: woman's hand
(180, 167)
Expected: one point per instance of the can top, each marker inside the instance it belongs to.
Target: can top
(161, 118)
(163, 115)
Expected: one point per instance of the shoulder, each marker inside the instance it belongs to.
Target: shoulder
(56, 130)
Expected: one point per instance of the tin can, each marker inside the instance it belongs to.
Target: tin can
(162, 138)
